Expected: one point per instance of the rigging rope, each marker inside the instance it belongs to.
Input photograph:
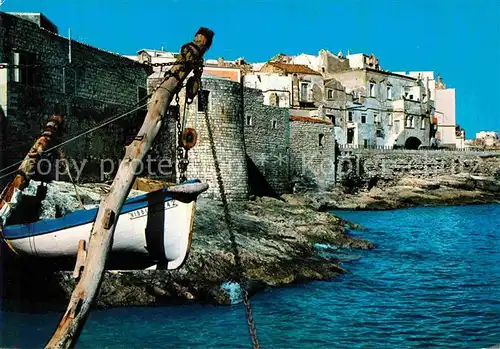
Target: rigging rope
(106, 122)
(227, 218)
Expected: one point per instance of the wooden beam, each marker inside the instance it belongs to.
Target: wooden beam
(27, 168)
(101, 237)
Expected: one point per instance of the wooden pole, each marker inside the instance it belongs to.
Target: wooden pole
(27, 168)
(101, 237)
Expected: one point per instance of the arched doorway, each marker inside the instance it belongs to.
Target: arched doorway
(412, 143)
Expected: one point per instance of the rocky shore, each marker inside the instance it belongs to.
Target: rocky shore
(403, 192)
(276, 242)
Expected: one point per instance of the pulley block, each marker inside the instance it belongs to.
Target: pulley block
(189, 138)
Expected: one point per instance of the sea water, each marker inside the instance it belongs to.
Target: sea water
(432, 282)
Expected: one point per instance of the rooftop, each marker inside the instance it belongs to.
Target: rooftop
(294, 68)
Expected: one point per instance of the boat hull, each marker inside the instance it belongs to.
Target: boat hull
(157, 225)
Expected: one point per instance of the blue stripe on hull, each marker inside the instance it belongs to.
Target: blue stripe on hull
(81, 217)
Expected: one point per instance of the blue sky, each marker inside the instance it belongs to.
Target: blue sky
(456, 38)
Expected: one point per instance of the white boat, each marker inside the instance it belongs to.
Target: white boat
(157, 225)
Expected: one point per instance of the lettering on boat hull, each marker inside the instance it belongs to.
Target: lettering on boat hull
(144, 211)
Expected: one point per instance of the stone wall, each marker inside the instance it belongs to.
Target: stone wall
(312, 154)
(87, 95)
(267, 136)
(224, 110)
(393, 164)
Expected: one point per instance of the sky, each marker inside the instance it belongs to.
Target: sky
(456, 38)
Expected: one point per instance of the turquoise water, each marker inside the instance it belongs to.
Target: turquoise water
(432, 282)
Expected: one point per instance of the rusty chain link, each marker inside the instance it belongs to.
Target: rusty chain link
(227, 218)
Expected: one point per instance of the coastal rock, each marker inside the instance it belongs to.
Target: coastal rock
(275, 242)
(406, 191)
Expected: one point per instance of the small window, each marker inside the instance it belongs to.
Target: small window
(380, 133)
(372, 89)
(411, 97)
(203, 102)
(248, 120)
(389, 118)
(323, 69)
(389, 92)
(349, 116)
(422, 123)
(410, 122)
(321, 139)
(365, 143)
(329, 93)
(26, 72)
(376, 119)
(397, 126)
(274, 124)
(304, 91)
(363, 118)
(332, 118)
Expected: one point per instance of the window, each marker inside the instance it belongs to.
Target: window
(380, 133)
(303, 92)
(332, 119)
(248, 120)
(365, 143)
(350, 135)
(321, 139)
(422, 123)
(274, 124)
(25, 74)
(397, 127)
(390, 118)
(277, 100)
(372, 89)
(329, 93)
(411, 97)
(203, 102)
(363, 118)
(389, 92)
(376, 119)
(349, 116)
(274, 99)
(409, 121)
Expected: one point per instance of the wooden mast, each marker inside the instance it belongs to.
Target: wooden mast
(28, 166)
(101, 237)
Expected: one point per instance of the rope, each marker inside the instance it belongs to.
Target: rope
(106, 122)
(68, 169)
(227, 218)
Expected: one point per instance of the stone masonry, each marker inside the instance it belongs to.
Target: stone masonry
(224, 111)
(424, 164)
(312, 158)
(87, 95)
(267, 140)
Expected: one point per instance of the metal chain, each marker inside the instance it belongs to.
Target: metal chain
(227, 218)
(84, 65)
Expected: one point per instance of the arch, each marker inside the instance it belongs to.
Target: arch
(412, 143)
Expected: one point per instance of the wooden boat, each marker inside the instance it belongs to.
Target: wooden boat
(157, 224)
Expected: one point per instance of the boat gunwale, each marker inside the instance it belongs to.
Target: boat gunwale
(82, 217)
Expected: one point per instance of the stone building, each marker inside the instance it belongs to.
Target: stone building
(369, 106)
(86, 83)
(312, 155)
(267, 143)
(444, 109)
(224, 107)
